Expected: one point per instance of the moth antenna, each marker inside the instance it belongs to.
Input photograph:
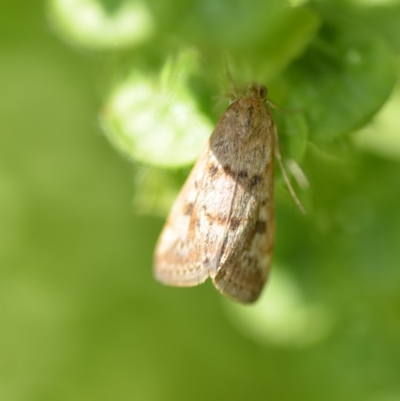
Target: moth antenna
(229, 75)
(220, 98)
(281, 109)
(285, 176)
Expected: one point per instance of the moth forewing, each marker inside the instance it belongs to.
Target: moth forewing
(244, 269)
(178, 248)
(222, 224)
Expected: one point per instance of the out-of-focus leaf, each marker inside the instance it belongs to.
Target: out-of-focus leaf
(262, 36)
(156, 120)
(92, 25)
(379, 16)
(156, 190)
(282, 316)
(342, 80)
(382, 135)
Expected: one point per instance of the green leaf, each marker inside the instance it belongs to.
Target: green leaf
(382, 136)
(156, 120)
(95, 25)
(342, 80)
(262, 37)
(378, 17)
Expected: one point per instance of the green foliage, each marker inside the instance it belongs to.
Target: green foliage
(149, 118)
(81, 316)
(322, 59)
(342, 79)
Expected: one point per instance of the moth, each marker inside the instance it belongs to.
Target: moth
(222, 224)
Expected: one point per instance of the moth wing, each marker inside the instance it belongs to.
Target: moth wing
(246, 259)
(244, 271)
(222, 226)
(187, 248)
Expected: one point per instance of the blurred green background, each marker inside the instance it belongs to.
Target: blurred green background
(104, 106)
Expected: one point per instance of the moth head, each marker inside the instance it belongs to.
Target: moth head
(262, 92)
(259, 91)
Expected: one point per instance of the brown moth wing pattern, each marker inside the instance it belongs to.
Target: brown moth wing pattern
(178, 259)
(189, 247)
(246, 259)
(222, 224)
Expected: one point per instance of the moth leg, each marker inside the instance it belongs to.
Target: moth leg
(298, 174)
(284, 174)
